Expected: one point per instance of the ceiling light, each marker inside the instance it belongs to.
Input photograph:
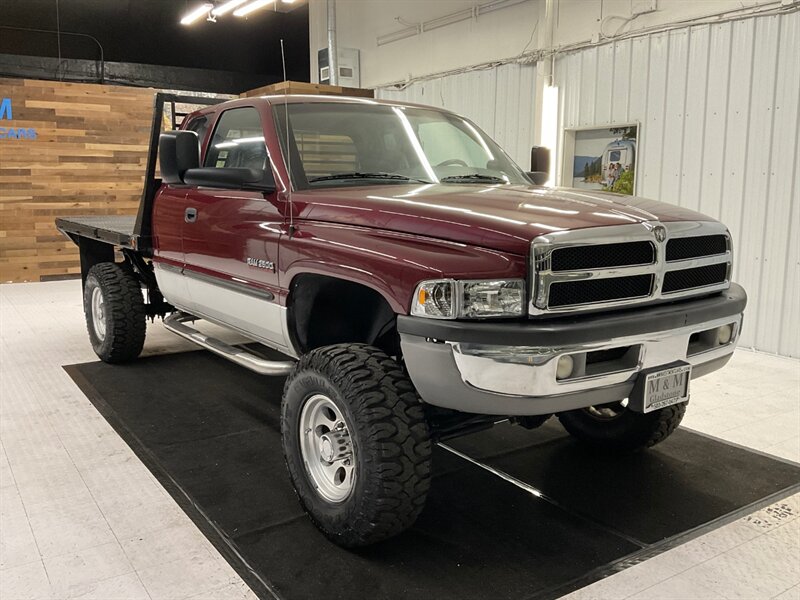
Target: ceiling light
(227, 7)
(198, 12)
(253, 6)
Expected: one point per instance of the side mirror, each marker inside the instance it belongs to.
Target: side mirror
(178, 151)
(231, 178)
(538, 177)
(540, 159)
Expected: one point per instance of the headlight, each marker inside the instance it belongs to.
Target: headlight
(451, 299)
(492, 298)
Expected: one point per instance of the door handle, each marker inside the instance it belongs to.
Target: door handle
(190, 215)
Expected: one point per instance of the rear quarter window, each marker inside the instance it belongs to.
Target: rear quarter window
(200, 126)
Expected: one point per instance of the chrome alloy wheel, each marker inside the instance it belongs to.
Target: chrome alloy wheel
(605, 412)
(327, 449)
(98, 314)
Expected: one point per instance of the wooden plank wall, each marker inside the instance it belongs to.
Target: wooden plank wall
(88, 157)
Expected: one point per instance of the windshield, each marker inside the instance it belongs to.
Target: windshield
(344, 144)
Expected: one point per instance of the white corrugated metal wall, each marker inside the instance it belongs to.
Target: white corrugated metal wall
(499, 100)
(719, 111)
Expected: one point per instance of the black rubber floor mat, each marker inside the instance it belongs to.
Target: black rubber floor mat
(522, 514)
(681, 484)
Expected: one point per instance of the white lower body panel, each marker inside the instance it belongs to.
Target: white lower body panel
(252, 315)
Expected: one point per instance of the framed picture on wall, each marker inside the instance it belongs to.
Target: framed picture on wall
(601, 158)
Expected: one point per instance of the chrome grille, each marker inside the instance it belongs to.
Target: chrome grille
(622, 265)
(692, 247)
(589, 291)
(687, 279)
(603, 256)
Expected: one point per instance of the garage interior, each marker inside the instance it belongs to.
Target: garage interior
(164, 477)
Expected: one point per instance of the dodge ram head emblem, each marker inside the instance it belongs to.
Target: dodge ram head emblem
(660, 233)
(657, 229)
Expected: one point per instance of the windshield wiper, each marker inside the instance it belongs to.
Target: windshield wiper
(472, 178)
(357, 175)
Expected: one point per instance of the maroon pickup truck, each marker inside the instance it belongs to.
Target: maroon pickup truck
(420, 285)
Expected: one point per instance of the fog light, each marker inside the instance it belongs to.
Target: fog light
(724, 334)
(564, 367)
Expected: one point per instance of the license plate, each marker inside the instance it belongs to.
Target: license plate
(667, 387)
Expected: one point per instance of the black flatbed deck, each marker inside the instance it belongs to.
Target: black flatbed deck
(118, 230)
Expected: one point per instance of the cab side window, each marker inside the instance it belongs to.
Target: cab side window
(238, 140)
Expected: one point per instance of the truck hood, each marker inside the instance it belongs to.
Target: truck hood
(501, 217)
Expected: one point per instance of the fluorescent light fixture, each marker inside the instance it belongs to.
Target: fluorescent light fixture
(252, 7)
(197, 13)
(288, 1)
(227, 7)
(550, 125)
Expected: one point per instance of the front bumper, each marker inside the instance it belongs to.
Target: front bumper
(510, 368)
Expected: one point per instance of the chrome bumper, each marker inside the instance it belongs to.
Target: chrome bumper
(484, 376)
(531, 370)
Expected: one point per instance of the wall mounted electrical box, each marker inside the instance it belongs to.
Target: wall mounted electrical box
(349, 67)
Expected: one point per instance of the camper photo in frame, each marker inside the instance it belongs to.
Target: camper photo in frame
(603, 158)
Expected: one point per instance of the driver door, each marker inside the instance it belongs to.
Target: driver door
(231, 237)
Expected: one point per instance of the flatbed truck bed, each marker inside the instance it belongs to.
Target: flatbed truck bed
(118, 230)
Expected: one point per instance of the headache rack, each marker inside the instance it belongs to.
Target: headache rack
(625, 265)
(129, 231)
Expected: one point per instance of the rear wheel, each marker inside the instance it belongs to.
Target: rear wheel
(115, 315)
(356, 443)
(615, 427)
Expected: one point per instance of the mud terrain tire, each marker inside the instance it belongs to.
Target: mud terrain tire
(115, 315)
(381, 488)
(628, 431)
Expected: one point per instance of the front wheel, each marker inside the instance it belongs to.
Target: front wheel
(356, 443)
(615, 427)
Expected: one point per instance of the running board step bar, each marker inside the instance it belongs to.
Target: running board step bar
(176, 323)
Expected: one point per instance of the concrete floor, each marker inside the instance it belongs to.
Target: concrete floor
(81, 517)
